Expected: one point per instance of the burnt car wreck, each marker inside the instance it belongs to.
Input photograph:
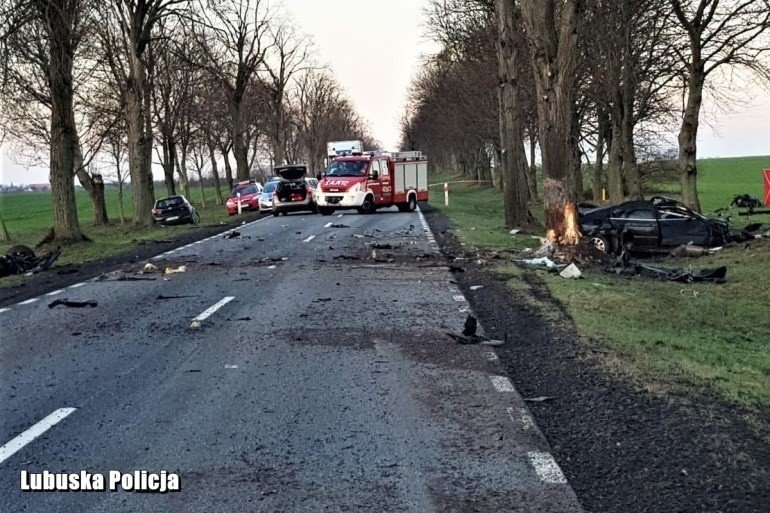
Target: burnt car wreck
(22, 260)
(656, 225)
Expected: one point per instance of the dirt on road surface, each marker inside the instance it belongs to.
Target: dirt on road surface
(623, 449)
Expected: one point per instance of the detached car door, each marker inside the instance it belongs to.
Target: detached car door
(678, 226)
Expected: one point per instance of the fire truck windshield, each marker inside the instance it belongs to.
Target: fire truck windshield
(347, 168)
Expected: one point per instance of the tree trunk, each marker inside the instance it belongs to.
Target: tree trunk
(688, 134)
(228, 168)
(598, 175)
(630, 166)
(240, 148)
(93, 185)
(63, 130)
(576, 163)
(511, 134)
(120, 204)
(4, 235)
(169, 163)
(534, 195)
(615, 165)
(140, 142)
(184, 179)
(203, 193)
(215, 174)
(553, 47)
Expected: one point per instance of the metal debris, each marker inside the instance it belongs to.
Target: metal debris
(72, 304)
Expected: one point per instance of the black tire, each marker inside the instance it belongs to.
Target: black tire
(276, 213)
(325, 211)
(411, 205)
(195, 218)
(368, 205)
(20, 250)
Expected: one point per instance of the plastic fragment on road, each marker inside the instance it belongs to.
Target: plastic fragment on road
(150, 268)
(477, 287)
(571, 272)
(180, 269)
(195, 325)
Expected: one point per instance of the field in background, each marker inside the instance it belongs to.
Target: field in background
(702, 338)
(28, 218)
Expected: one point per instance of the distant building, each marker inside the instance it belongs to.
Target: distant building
(38, 187)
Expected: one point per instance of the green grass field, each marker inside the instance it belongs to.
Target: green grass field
(28, 218)
(666, 337)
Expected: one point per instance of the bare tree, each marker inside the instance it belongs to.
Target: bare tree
(232, 41)
(514, 172)
(127, 33)
(717, 33)
(552, 34)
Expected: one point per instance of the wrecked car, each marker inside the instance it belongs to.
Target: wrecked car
(175, 210)
(295, 192)
(658, 224)
(22, 259)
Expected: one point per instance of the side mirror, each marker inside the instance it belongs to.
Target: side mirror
(374, 175)
(319, 176)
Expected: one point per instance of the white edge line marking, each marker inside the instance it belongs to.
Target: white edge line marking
(502, 384)
(524, 418)
(4, 310)
(29, 301)
(492, 356)
(546, 467)
(55, 292)
(340, 215)
(459, 298)
(77, 285)
(35, 431)
(212, 309)
(309, 238)
(231, 366)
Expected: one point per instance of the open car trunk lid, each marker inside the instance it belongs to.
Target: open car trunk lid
(291, 172)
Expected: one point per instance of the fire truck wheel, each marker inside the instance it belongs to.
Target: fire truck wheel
(368, 206)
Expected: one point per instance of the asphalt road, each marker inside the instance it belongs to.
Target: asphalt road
(314, 383)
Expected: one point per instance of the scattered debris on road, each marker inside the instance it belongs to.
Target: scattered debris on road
(73, 304)
(338, 225)
(162, 297)
(177, 270)
(540, 399)
(195, 325)
(477, 287)
(150, 267)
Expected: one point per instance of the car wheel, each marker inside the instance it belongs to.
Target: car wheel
(412, 204)
(601, 243)
(275, 213)
(195, 218)
(368, 206)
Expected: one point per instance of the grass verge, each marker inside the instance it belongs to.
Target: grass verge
(699, 338)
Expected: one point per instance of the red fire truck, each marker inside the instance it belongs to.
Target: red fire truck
(367, 181)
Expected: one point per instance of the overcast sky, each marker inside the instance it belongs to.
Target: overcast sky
(374, 46)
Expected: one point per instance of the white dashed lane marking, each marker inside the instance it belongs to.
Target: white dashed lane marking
(546, 467)
(520, 416)
(29, 301)
(55, 292)
(35, 431)
(502, 384)
(76, 285)
(459, 298)
(212, 309)
(328, 225)
(309, 238)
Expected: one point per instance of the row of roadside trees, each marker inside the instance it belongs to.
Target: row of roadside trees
(180, 85)
(585, 81)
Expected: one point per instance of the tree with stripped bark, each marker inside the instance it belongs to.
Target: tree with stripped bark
(551, 29)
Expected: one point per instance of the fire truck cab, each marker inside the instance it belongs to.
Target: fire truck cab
(372, 180)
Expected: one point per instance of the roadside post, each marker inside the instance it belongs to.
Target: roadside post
(446, 194)
(240, 208)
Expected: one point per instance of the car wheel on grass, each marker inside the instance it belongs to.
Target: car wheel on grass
(601, 243)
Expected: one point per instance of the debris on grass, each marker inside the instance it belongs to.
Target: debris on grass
(571, 272)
